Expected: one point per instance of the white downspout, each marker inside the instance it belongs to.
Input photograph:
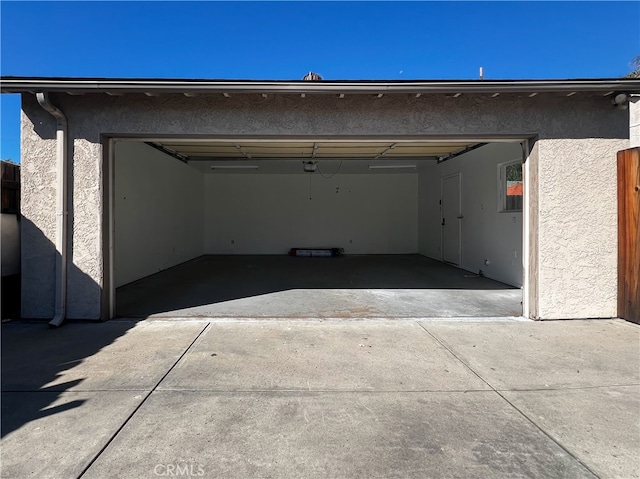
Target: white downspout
(61, 208)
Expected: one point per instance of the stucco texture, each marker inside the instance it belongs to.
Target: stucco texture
(577, 229)
(38, 225)
(634, 121)
(579, 132)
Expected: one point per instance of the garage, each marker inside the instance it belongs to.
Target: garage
(415, 228)
(448, 198)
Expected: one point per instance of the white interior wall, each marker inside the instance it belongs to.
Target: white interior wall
(271, 213)
(486, 233)
(158, 212)
(429, 229)
(168, 213)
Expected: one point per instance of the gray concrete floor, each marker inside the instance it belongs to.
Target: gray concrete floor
(346, 399)
(372, 286)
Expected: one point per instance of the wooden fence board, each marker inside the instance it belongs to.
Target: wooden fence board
(629, 234)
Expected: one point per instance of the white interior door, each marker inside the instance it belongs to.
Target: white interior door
(451, 219)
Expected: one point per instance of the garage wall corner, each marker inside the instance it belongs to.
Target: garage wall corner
(577, 230)
(158, 212)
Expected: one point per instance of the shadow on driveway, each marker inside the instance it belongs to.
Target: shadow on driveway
(36, 358)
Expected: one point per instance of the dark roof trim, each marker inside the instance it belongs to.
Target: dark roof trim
(120, 85)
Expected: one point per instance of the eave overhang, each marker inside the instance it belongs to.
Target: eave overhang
(417, 87)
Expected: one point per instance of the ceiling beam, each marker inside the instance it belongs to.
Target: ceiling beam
(196, 159)
(167, 151)
(461, 152)
(386, 150)
(244, 153)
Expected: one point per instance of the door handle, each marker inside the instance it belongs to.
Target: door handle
(459, 217)
(442, 221)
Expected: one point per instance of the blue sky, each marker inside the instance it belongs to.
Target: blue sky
(340, 40)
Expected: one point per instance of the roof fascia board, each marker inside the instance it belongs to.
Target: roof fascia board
(23, 84)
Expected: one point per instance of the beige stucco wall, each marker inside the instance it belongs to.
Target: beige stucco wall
(578, 137)
(38, 200)
(634, 121)
(577, 232)
(531, 215)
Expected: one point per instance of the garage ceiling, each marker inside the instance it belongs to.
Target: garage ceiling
(274, 149)
(285, 155)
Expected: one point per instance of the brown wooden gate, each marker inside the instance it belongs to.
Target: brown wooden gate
(629, 234)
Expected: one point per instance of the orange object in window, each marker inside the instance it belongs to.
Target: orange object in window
(515, 190)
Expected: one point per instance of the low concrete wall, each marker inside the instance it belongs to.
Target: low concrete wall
(10, 282)
(10, 244)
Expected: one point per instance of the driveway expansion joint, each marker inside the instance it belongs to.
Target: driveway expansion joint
(568, 388)
(137, 408)
(66, 391)
(328, 391)
(525, 416)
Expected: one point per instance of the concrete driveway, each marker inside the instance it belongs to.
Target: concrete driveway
(352, 399)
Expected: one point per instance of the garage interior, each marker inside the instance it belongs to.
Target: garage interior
(428, 228)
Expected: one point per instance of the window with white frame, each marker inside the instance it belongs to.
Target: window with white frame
(510, 186)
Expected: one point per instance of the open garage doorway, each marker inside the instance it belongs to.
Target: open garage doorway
(204, 228)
